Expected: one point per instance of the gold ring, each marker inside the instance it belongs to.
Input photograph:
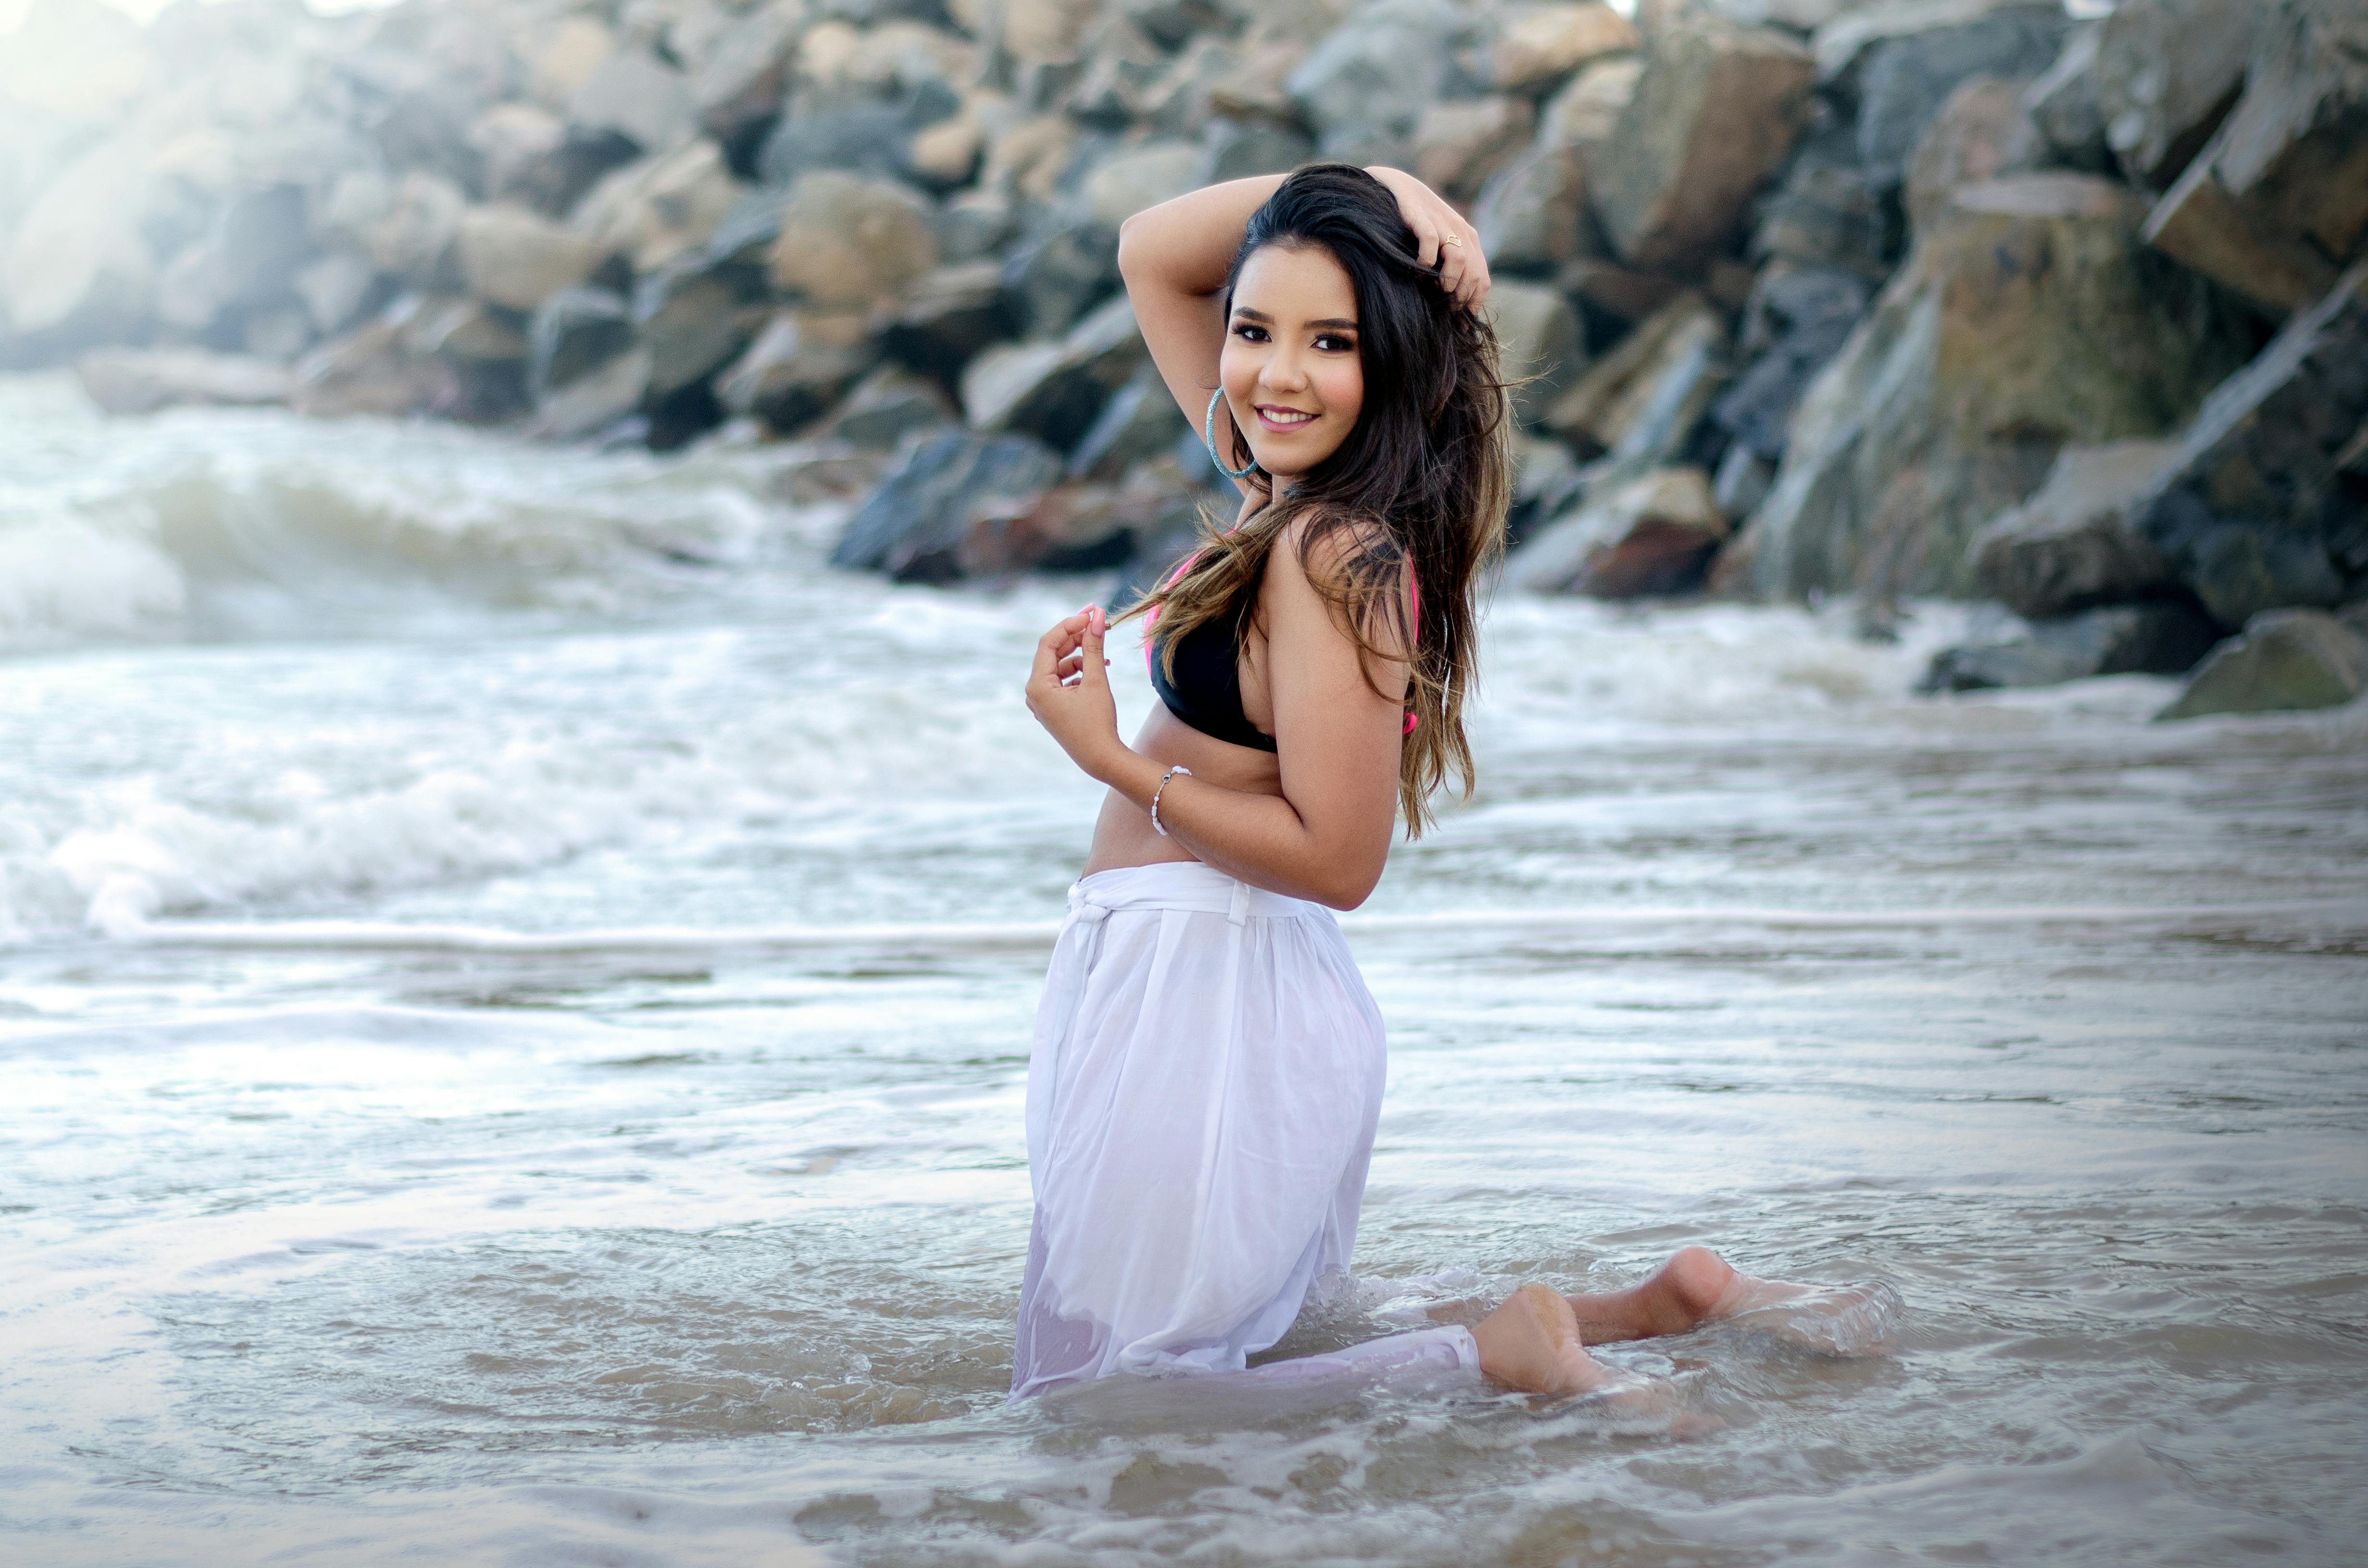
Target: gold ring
(1450, 240)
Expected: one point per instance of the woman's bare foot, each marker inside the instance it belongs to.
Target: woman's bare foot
(1697, 1286)
(1532, 1343)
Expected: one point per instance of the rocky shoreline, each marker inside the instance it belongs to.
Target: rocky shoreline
(1974, 297)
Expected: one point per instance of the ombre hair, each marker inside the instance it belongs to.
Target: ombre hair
(1418, 489)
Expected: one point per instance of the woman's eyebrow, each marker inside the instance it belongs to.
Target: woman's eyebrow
(1344, 323)
(1248, 314)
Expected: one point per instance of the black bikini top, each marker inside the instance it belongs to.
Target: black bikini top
(1207, 691)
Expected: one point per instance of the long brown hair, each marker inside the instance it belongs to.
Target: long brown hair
(1422, 483)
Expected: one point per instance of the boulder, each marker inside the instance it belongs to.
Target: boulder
(516, 257)
(1139, 422)
(738, 83)
(1743, 481)
(1122, 68)
(334, 290)
(2075, 543)
(1715, 112)
(693, 318)
(888, 405)
(2163, 639)
(566, 56)
(2029, 316)
(1546, 481)
(1046, 31)
(141, 380)
(1458, 145)
(247, 257)
(2166, 72)
(1982, 132)
(2286, 660)
(599, 401)
(638, 96)
(1538, 46)
(1906, 78)
(1533, 218)
(2280, 197)
(1544, 348)
(2064, 106)
(1619, 293)
(798, 367)
(1238, 150)
(948, 317)
(916, 527)
(1365, 87)
(1640, 402)
(847, 241)
(1054, 390)
(1062, 275)
(655, 211)
(1141, 176)
(574, 333)
(406, 229)
(2258, 509)
(370, 371)
(869, 137)
(1825, 214)
(1586, 113)
(2204, 227)
(1796, 322)
(1651, 537)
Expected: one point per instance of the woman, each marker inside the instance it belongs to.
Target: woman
(1208, 1066)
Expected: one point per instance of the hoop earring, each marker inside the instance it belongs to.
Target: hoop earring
(1209, 439)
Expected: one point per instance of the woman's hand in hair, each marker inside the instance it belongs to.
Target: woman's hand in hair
(1445, 236)
(1069, 692)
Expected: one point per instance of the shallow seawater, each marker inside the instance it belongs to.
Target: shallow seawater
(515, 983)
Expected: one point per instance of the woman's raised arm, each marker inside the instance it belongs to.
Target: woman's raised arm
(1174, 258)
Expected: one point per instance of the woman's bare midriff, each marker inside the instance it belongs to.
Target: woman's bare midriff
(1123, 835)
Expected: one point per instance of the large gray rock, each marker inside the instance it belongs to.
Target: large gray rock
(2151, 638)
(797, 368)
(1651, 537)
(1458, 145)
(1139, 422)
(1715, 112)
(516, 258)
(1141, 176)
(1904, 80)
(1825, 214)
(1054, 390)
(1797, 321)
(1365, 86)
(869, 137)
(1060, 277)
(2286, 660)
(948, 316)
(918, 526)
(2029, 317)
(693, 318)
(573, 333)
(2075, 544)
(1639, 403)
(1543, 347)
(2280, 197)
(407, 228)
(1538, 46)
(2168, 71)
(1982, 132)
(656, 210)
(638, 96)
(2257, 511)
(1533, 219)
(739, 81)
(247, 257)
(2065, 105)
(888, 405)
(141, 380)
(850, 243)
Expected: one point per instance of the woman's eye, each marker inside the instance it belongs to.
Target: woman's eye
(1250, 334)
(1332, 343)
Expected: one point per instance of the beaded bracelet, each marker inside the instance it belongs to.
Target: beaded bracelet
(1157, 793)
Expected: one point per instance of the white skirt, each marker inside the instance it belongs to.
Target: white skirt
(1201, 1099)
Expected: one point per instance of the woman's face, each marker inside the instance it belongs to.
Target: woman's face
(1289, 366)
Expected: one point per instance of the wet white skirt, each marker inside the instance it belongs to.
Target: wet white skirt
(1202, 1094)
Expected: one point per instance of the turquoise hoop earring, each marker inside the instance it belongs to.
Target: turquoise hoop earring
(1209, 439)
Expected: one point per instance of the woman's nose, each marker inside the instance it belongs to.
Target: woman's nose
(1284, 372)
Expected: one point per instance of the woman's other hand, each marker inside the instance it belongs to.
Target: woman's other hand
(1445, 236)
(1069, 692)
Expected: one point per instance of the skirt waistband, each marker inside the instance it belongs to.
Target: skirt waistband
(1181, 884)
